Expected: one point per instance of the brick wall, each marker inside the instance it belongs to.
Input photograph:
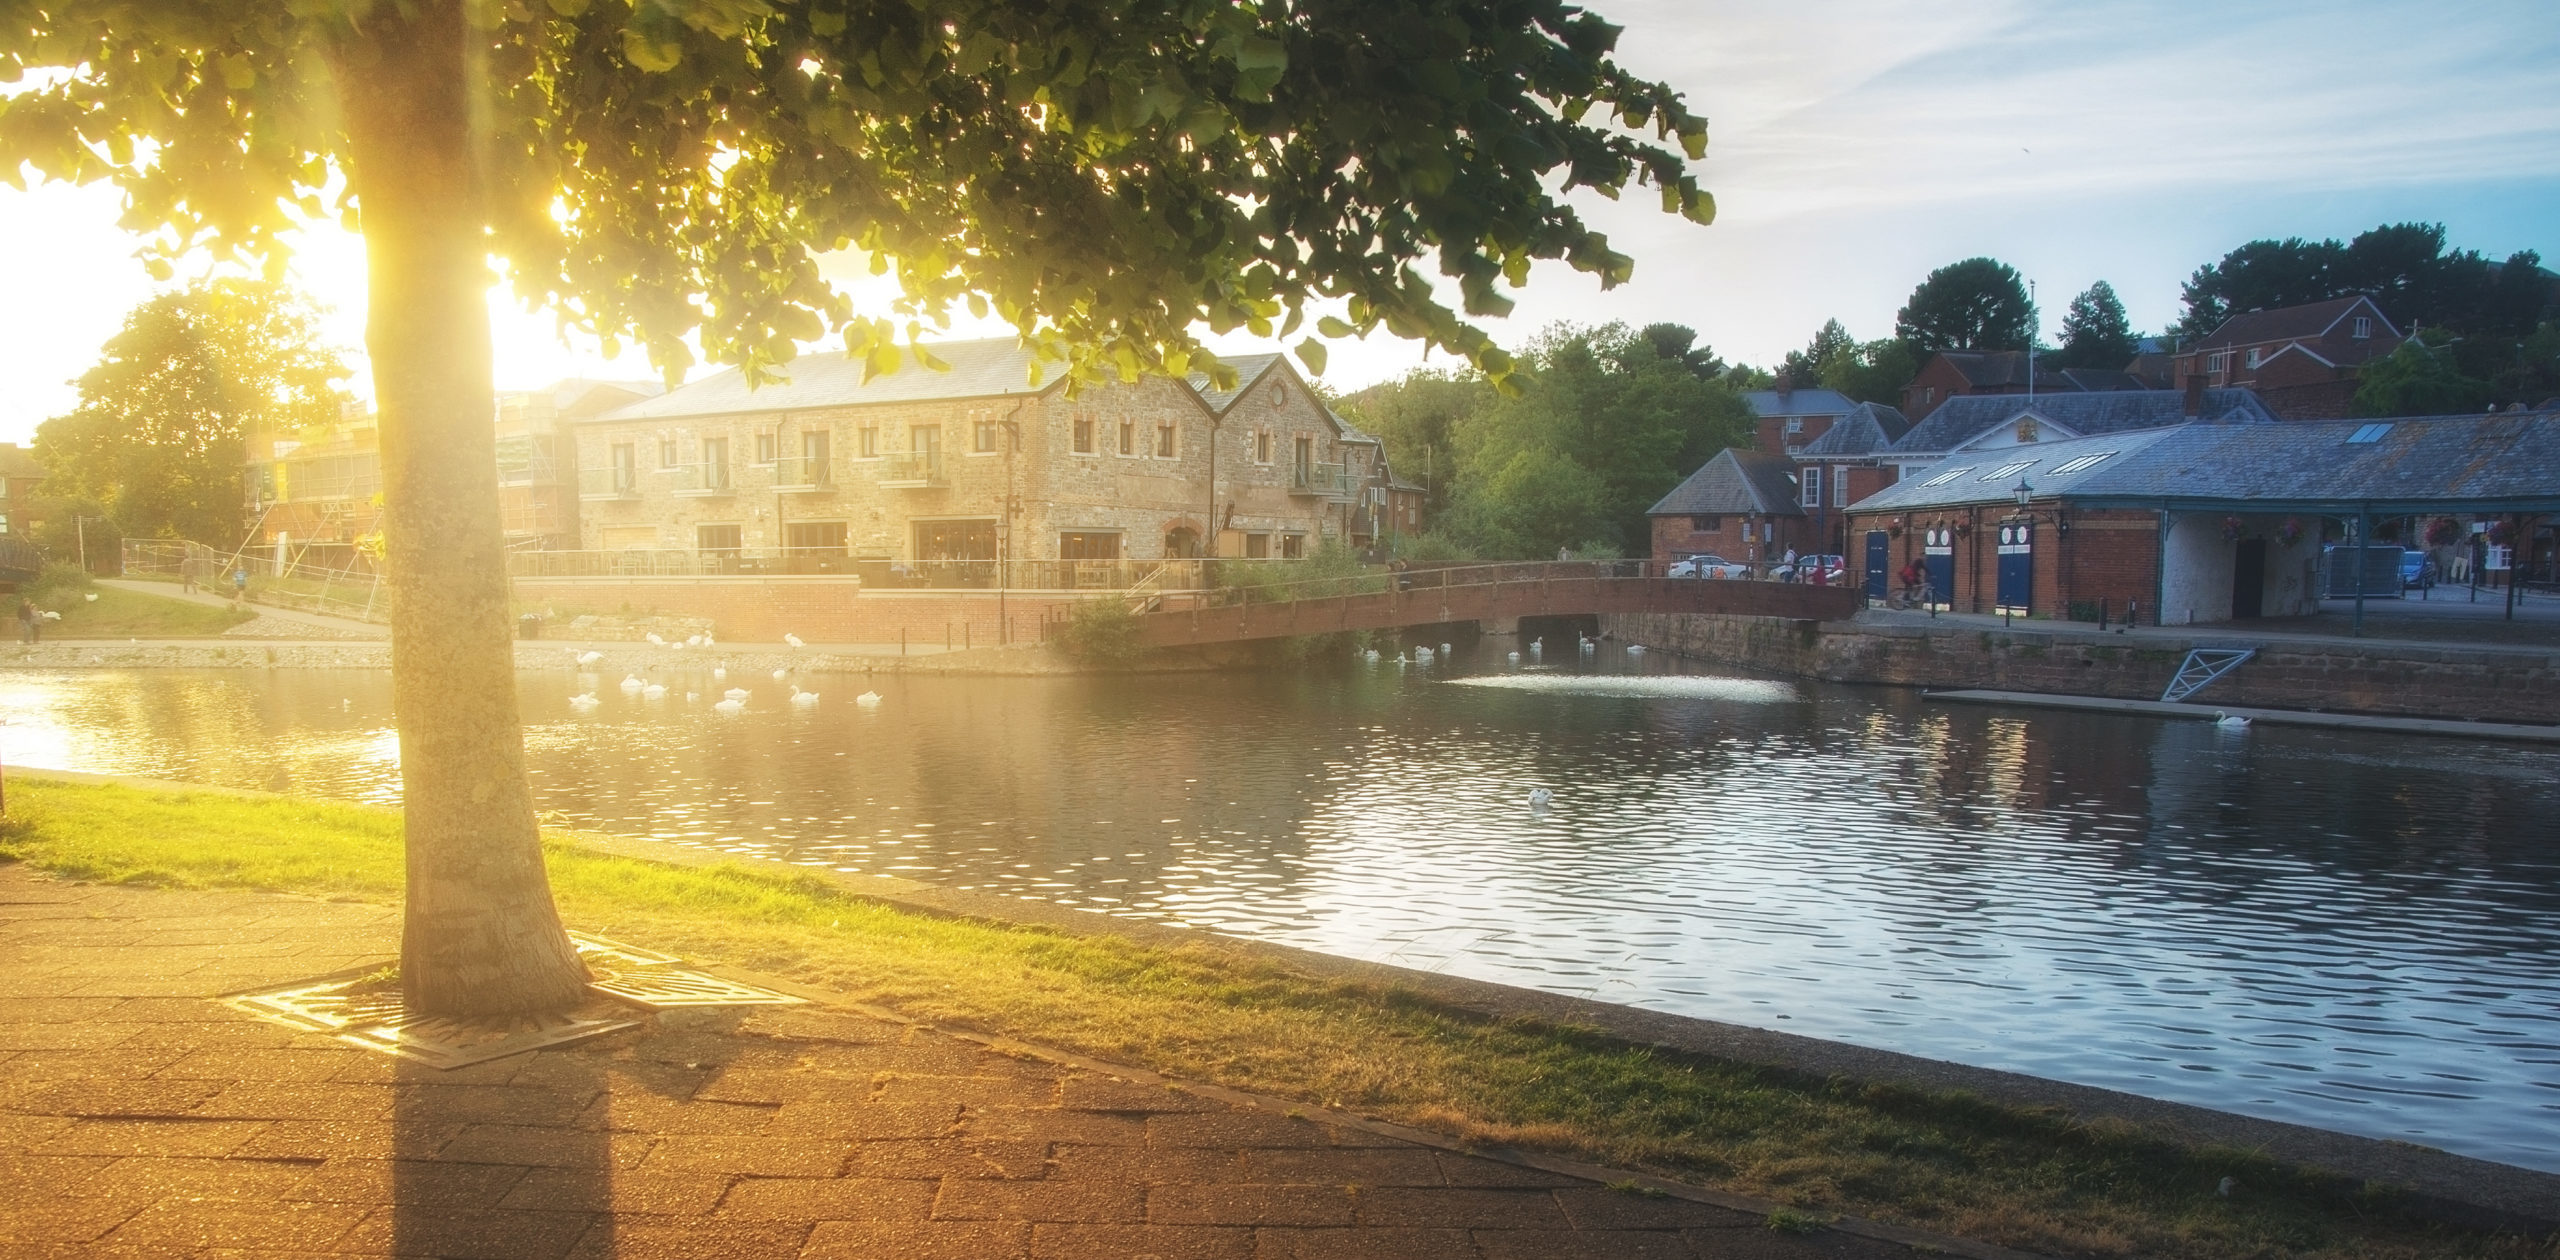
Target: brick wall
(2110, 556)
(2486, 684)
(819, 609)
(1674, 538)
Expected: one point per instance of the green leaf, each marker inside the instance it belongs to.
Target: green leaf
(1311, 352)
(1331, 327)
(649, 54)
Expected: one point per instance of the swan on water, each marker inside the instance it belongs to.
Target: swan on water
(1373, 656)
(719, 672)
(584, 701)
(780, 674)
(654, 691)
(1635, 649)
(2228, 722)
(1538, 798)
(793, 640)
(631, 684)
(1514, 658)
(590, 657)
(868, 699)
(805, 699)
(732, 706)
(655, 641)
(735, 693)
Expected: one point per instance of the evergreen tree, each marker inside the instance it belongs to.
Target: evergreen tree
(1976, 304)
(2095, 333)
(1832, 345)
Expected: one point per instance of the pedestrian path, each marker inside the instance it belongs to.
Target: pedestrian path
(284, 621)
(138, 1118)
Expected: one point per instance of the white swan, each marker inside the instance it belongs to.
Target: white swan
(1514, 658)
(1635, 649)
(589, 658)
(735, 693)
(793, 640)
(1372, 656)
(780, 674)
(631, 684)
(804, 699)
(655, 641)
(654, 691)
(868, 699)
(584, 702)
(719, 672)
(1444, 649)
(731, 706)
(1538, 798)
(2229, 722)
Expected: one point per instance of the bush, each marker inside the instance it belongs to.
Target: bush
(58, 581)
(1436, 547)
(1333, 570)
(1103, 632)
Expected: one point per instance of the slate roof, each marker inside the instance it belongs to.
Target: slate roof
(1735, 482)
(1991, 476)
(997, 367)
(1249, 368)
(1798, 402)
(2286, 323)
(1871, 429)
(2499, 462)
(2503, 461)
(1991, 369)
(1961, 419)
(2096, 380)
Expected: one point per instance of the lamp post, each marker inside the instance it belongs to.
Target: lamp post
(2025, 493)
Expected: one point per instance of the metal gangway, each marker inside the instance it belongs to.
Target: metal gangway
(2201, 668)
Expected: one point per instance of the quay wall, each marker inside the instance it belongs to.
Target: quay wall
(819, 609)
(2485, 684)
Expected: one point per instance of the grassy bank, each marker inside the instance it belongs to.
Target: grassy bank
(122, 614)
(1945, 1163)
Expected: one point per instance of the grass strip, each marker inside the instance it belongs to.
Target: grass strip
(123, 614)
(1944, 1162)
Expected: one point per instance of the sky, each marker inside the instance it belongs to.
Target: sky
(1854, 145)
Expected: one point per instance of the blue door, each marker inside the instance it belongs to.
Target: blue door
(1938, 557)
(2017, 567)
(1878, 556)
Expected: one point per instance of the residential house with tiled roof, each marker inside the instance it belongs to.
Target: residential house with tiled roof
(1741, 505)
(1970, 373)
(922, 476)
(1986, 421)
(1847, 463)
(2304, 361)
(1787, 416)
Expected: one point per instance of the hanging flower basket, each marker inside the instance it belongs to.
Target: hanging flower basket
(1964, 529)
(2290, 529)
(2230, 529)
(2443, 532)
(1894, 528)
(2502, 534)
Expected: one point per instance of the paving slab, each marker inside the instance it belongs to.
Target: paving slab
(141, 1117)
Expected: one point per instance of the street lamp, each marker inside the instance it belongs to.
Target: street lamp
(2025, 492)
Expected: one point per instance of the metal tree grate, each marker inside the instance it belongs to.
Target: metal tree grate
(629, 983)
(2201, 668)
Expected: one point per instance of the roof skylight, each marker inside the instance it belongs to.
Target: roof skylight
(2006, 471)
(1945, 477)
(2084, 463)
(2369, 433)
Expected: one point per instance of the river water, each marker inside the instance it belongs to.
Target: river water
(2353, 931)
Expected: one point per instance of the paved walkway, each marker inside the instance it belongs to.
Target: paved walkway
(139, 1119)
(272, 621)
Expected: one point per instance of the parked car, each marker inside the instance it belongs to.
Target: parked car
(1708, 567)
(2417, 571)
(1819, 570)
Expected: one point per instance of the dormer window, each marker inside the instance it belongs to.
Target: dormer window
(2218, 362)
(2364, 328)
(1795, 424)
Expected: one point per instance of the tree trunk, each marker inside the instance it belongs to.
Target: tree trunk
(480, 936)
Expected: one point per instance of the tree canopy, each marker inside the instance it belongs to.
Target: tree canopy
(1610, 426)
(2404, 267)
(1105, 179)
(1976, 304)
(2095, 332)
(156, 437)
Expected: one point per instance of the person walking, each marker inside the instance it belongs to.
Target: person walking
(29, 622)
(240, 585)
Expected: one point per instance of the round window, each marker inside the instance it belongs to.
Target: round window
(1279, 393)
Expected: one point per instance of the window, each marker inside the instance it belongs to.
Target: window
(925, 440)
(626, 466)
(1293, 546)
(2364, 328)
(1089, 545)
(1302, 454)
(666, 452)
(2083, 463)
(1840, 485)
(1166, 441)
(1128, 437)
(1795, 425)
(768, 445)
(2218, 362)
(2256, 356)
(723, 539)
(816, 459)
(1257, 546)
(715, 463)
(1947, 476)
(1084, 435)
(4, 522)
(1262, 446)
(1709, 524)
(2006, 471)
(867, 441)
(1809, 484)
(813, 537)
(982, 435)
(2369, 433)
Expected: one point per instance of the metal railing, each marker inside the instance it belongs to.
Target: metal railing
(608, 483)
(800, 473)
(701, 479)
(912, 469)
(874, 573)
(323, 578)
(1333, 481)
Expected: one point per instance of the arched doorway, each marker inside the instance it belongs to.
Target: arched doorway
(1182, 542)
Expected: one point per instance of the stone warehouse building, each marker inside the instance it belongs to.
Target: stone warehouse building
(926, 477)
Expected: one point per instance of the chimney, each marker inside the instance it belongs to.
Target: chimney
(2195, 395)
(1785, 386)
